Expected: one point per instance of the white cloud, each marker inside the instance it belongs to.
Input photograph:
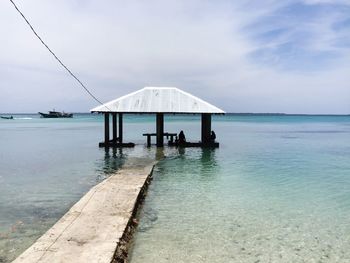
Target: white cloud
(315, 2)
(200, 46)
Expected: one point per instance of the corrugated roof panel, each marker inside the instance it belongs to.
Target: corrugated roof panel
(158, 99)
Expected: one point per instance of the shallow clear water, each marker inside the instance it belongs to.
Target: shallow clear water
(277, 190)
(46, 165)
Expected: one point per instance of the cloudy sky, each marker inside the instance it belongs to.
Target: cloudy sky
(243, 56)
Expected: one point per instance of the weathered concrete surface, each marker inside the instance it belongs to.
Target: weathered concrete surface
(91, 230)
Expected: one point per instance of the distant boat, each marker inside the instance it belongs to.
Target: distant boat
(56, 114)
(6, 117)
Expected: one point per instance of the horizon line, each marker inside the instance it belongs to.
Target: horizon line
(227, 113)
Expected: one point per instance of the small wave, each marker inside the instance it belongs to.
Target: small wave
(289, 137)
(24, 118)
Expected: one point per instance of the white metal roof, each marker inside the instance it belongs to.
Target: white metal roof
(158, 99)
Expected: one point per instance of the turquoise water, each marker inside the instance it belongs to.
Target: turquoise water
(46, 165)
(277, 189)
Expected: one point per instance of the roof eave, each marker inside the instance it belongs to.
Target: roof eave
(137, 112)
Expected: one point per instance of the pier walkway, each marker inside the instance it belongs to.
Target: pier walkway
(92, 229)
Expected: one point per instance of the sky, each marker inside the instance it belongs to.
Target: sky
(242, 56)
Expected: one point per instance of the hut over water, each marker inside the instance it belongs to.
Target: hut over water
(159, 101)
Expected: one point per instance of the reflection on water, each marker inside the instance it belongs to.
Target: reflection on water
(45, 167)
(159, 153)
(113, 159)
(270, 193)
(260, 197)
(208, 161)
(182, 179)
(26, 214)
(182, 152)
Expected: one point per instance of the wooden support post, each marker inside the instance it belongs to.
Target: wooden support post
(206, 128)
(106, 129)
(160, 129)
(148, 140)
(114, 118)
(120, 127)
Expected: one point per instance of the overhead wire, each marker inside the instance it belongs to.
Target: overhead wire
(59, 61)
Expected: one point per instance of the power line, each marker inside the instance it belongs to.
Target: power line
(59, 61)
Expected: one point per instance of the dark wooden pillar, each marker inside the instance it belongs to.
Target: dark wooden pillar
(160, 129)
(120, 127)
(206, 128)
(114, 122)
(106, 128)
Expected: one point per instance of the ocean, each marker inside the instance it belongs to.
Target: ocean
(277, 189)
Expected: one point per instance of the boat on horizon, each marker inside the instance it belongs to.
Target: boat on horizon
(56, 114)
(7, 117)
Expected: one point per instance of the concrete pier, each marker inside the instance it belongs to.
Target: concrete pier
(92, 229)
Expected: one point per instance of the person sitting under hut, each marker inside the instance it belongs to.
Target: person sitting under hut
(182, 138)
(212, 136)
